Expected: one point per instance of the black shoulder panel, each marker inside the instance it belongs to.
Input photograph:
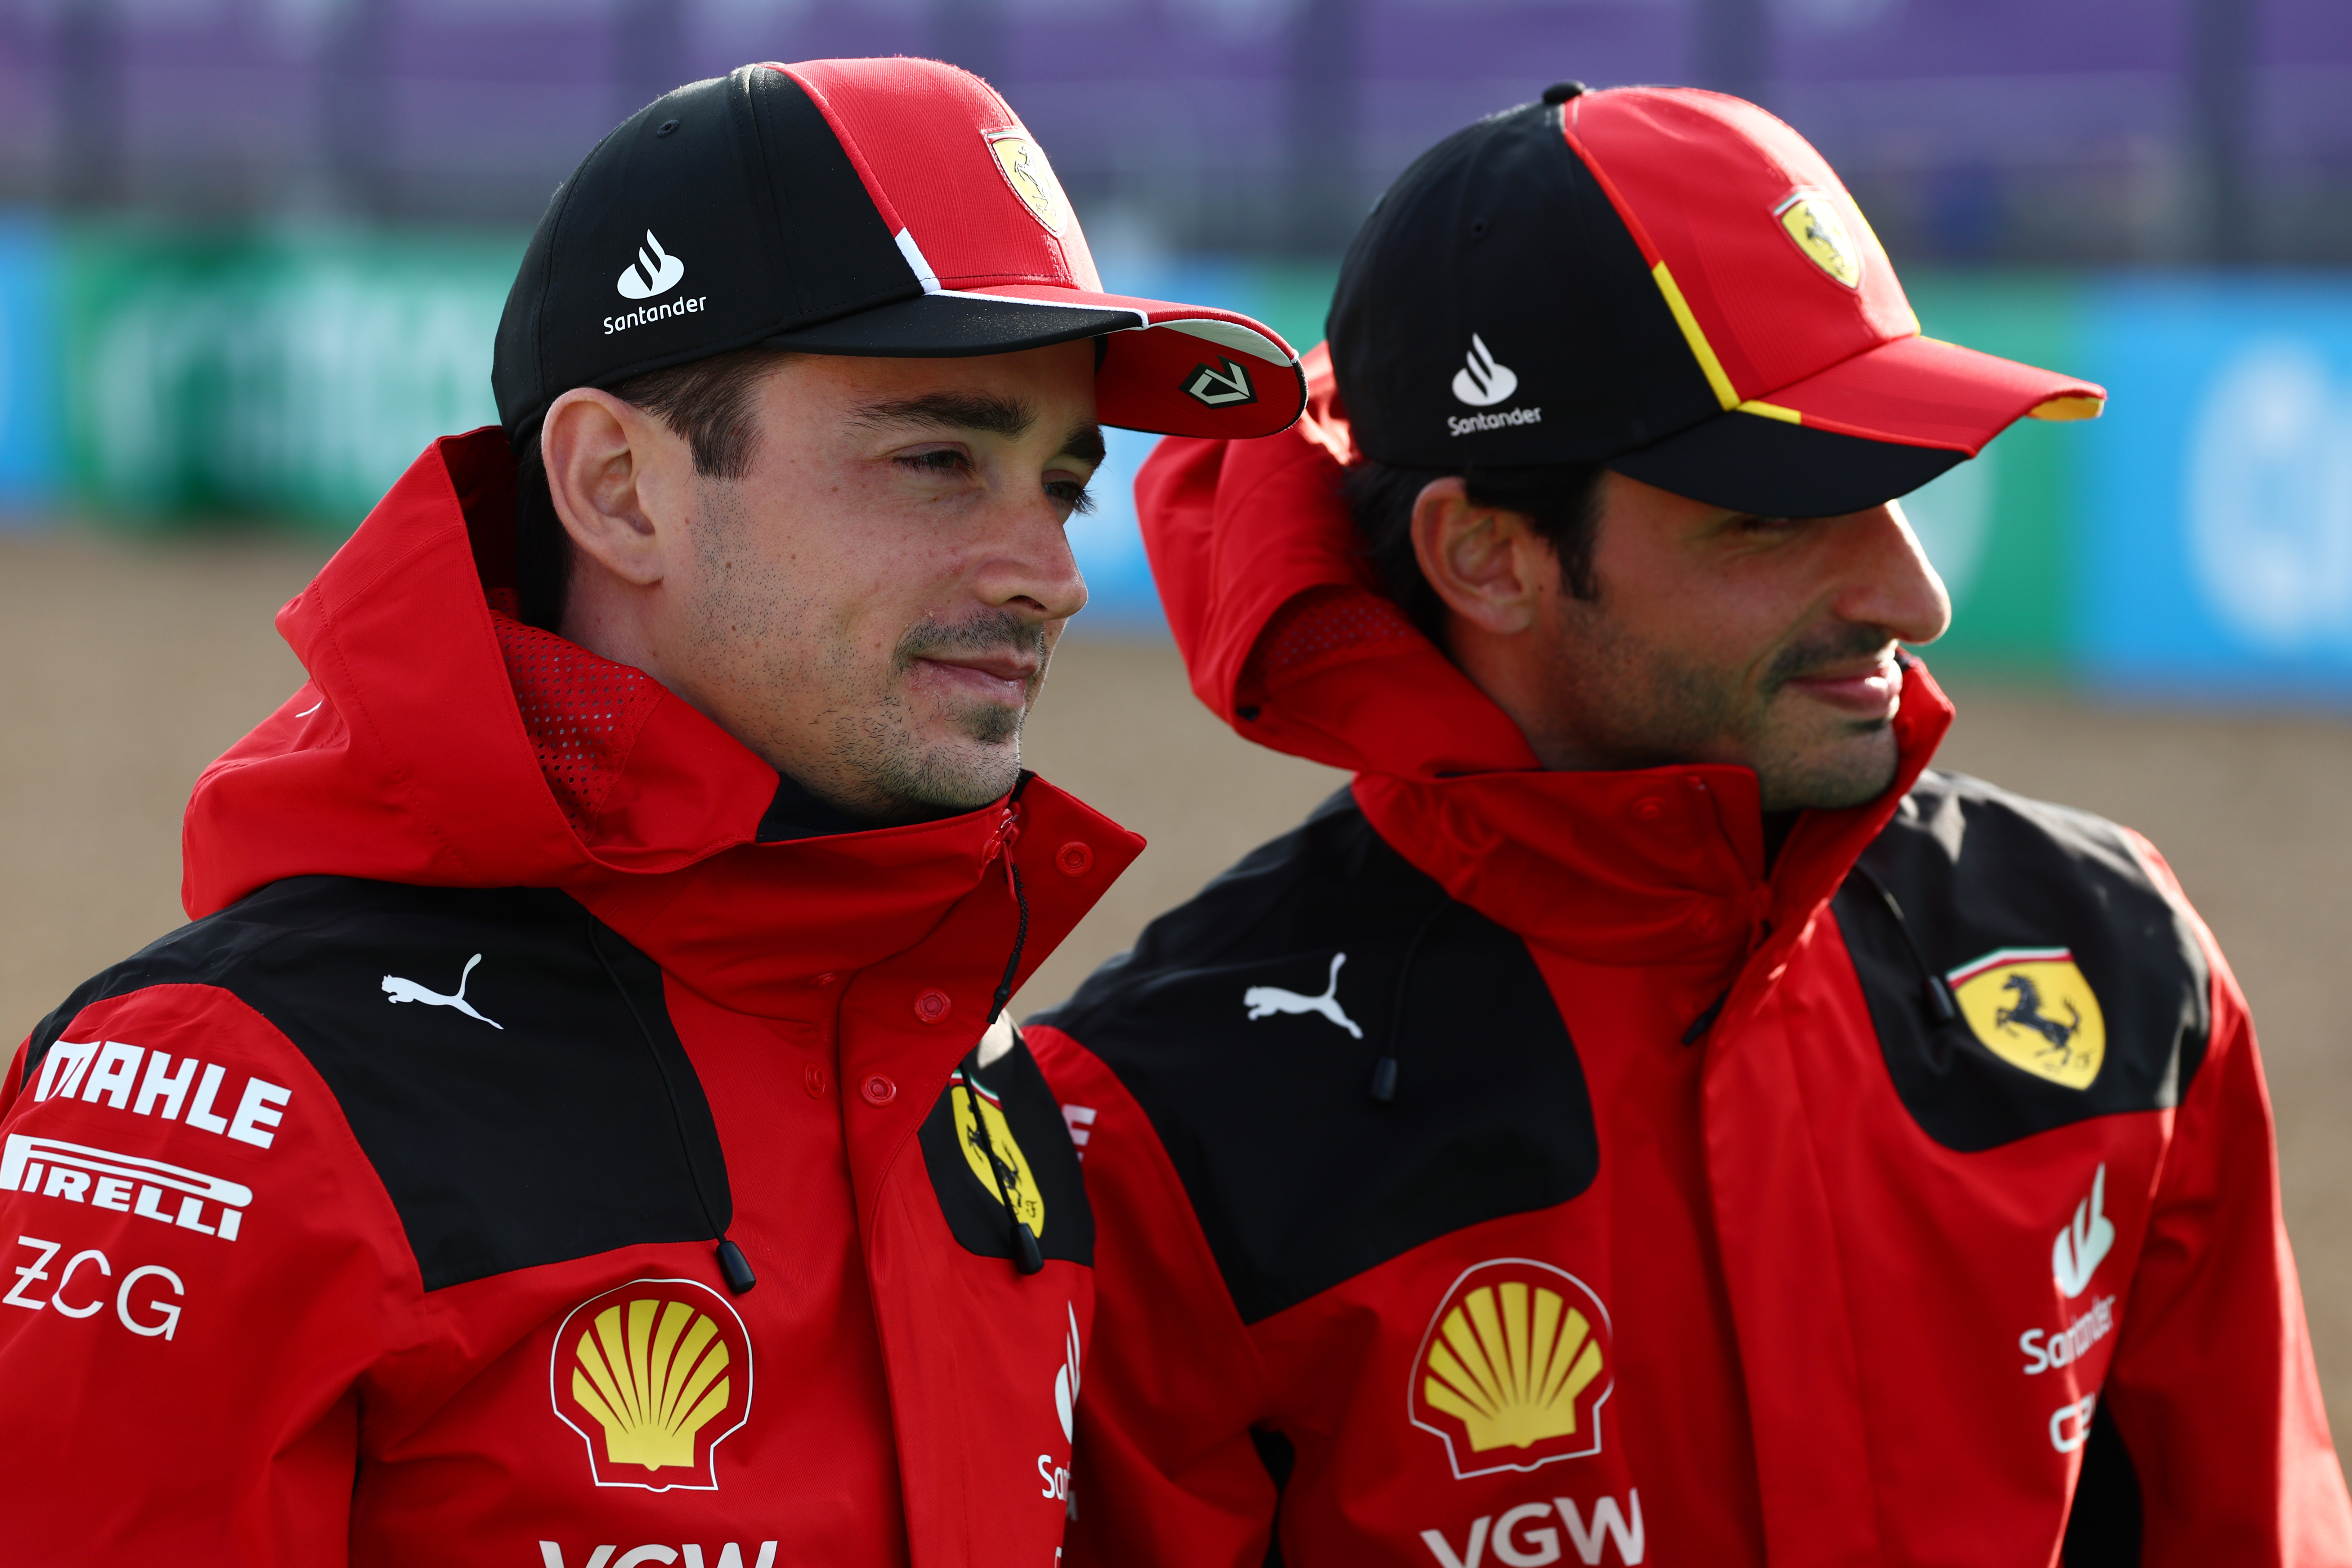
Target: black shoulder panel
(1979, 872)
(1014, 1134)
(551, 1116)
(1247, 1024)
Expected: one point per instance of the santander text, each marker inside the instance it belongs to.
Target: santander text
(2062, 1347)
(1523, 1537)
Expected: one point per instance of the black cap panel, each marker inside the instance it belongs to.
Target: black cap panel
(1500, 232)
(1755, 464)
(951, 326)
(667, 245)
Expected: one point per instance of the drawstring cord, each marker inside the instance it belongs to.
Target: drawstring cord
(1384, 1070)
(733, 1266)
(1938, 991)
(1027, 1256)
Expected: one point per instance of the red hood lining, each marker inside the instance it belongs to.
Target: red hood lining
(1324, 626)
(582, 712)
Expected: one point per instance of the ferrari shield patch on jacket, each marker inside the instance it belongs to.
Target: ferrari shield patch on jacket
(998, 1154)
(2033, 1008)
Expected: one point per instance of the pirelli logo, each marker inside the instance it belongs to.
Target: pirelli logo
(128, 1183)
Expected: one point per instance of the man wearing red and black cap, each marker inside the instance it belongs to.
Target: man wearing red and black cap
(1650, 1116)
(578, 1127)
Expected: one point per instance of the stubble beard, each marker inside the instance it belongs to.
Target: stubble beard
(1640, 707)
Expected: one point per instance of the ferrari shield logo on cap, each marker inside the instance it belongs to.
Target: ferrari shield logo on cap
(1812, 218)
(2033, 1008)
(1031, 178)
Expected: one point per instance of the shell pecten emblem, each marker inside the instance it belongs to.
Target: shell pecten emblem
(1514, 1369)
(2031, 1008)
(653, 1376)
(994, 1155)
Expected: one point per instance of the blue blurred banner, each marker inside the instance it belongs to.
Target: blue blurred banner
(2215, 547)
(31, 442)
(2197, 539)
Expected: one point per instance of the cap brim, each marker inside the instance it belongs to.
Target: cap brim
(1169, 369)
(1859, 434)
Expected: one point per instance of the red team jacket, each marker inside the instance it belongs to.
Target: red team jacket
(371, 1216)
(1893, 1203)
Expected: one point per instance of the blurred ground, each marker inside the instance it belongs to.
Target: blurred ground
(132, 665)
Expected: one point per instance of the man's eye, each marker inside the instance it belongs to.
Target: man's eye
(946, 460)
(1073, 494)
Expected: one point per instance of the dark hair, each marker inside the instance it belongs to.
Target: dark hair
(1559, 499)
(707, 402)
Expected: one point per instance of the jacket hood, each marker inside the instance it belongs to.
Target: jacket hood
(1287, 638)
(441, 742)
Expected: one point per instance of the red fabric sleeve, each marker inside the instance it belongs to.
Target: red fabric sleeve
(1165, 1472)
(2214, 1389)
(190, 1293)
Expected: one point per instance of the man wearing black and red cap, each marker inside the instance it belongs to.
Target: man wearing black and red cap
(1650, 1117)
(578, 1127)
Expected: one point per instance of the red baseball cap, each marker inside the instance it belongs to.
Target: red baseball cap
(892, 207)
(1667, 281)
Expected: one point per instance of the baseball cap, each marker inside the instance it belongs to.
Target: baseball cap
(893, 207)
(1667, 281)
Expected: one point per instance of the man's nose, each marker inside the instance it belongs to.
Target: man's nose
(1033, 561)
(1891, 583)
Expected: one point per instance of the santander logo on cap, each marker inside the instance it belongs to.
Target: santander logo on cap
(1481, 383)
(650, 275)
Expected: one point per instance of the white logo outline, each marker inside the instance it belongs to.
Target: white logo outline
(398, 990)
(661, 272)
(1481, 382)
(1065, 1381)
(1265, 1001)
(2083, 1245)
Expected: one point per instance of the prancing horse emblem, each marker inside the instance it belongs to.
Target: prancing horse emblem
(1265, 1001)
(2027, 1014)
(401, 990)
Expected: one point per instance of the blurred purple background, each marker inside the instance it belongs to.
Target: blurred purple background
(2099, 131)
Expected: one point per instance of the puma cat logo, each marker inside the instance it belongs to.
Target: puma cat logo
(400, 990)
(1265, 1001)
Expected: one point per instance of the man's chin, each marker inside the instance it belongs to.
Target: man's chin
(1854, 771)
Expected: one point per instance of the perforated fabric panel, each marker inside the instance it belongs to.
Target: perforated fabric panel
(582, 713)
(1321, 628)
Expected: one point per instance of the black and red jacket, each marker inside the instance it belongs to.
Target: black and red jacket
(372, 1217)
(1512, 1167)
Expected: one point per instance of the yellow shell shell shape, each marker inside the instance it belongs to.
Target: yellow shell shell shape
(652, 1374)
(1508, 1363)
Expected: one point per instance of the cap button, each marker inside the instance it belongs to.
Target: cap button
(1561, 92)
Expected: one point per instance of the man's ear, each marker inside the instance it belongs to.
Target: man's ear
(619, 478)
(1489, 565)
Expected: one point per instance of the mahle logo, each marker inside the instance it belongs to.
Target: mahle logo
(1514, 1369)
(2031, 1008)
(654, 1375)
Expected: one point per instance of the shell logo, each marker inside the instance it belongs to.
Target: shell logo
(1514, 1369)
(653, 1376)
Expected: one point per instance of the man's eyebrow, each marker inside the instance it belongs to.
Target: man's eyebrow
(1085, 441)
(990, 413)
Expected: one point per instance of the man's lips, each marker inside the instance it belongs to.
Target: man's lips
(1872, 692)
(1001, 677)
